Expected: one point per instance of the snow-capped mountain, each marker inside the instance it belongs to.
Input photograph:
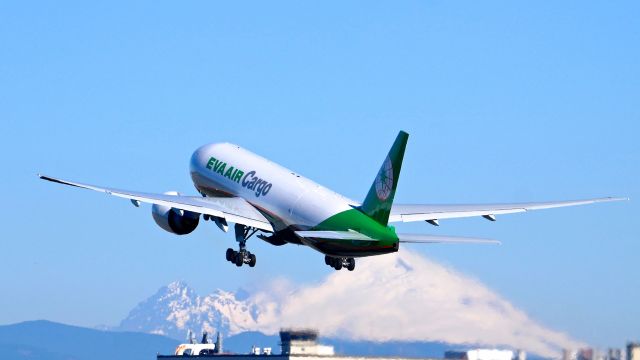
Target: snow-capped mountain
(402, 297)
(175, 309)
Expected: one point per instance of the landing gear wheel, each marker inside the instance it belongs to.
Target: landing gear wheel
(351, 264)
(230, 254)
(239, 259)
(338, 264)
(242, 256)
(327, 260)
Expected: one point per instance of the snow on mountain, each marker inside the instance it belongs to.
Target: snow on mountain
(175, 309)
(398, 297)
(408, 297)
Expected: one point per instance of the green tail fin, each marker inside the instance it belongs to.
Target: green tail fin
(378, 202)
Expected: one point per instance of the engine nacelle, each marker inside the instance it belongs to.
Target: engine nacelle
(176, 221)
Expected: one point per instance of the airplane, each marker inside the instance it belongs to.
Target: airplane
(258, 195)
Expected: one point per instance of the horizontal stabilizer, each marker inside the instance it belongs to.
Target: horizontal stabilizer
(408, 213)
(435, 239)
(335, 235)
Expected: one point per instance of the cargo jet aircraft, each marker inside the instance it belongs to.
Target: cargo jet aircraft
(258, 195)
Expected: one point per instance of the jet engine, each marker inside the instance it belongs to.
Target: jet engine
(176, 221)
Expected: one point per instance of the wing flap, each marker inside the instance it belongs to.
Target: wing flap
(233, 209)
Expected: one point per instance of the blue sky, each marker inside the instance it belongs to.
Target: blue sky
(504, 101)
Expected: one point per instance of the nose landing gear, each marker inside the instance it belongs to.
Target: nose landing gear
(242, 256)
(340, 262)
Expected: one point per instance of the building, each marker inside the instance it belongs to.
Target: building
(296, 345)
(303, 342)
(581, 354)
(480, 354)
(594, 354)
(614, 354)
(586, 354)
(633, 351)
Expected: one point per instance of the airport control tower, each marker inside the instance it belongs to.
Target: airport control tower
(303, 342)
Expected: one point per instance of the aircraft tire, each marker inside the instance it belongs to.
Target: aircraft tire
(252, 261)
(327, 260)
(352, 264)
(230, 254)
(238, 259)
(338, 265)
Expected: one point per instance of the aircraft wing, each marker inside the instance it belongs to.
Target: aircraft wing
(433, 213)
(232, 209)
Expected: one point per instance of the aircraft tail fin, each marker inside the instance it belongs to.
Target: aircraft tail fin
(377, 204)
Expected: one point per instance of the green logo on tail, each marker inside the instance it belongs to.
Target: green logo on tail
(384, 180)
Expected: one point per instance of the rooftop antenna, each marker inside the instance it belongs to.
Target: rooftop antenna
(218, 347)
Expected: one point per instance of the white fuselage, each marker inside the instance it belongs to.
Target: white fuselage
(286, 198)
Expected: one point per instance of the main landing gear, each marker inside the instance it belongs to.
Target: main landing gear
(340, 262)
(242, 256)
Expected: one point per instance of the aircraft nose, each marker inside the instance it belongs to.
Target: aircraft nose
(200, 157)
